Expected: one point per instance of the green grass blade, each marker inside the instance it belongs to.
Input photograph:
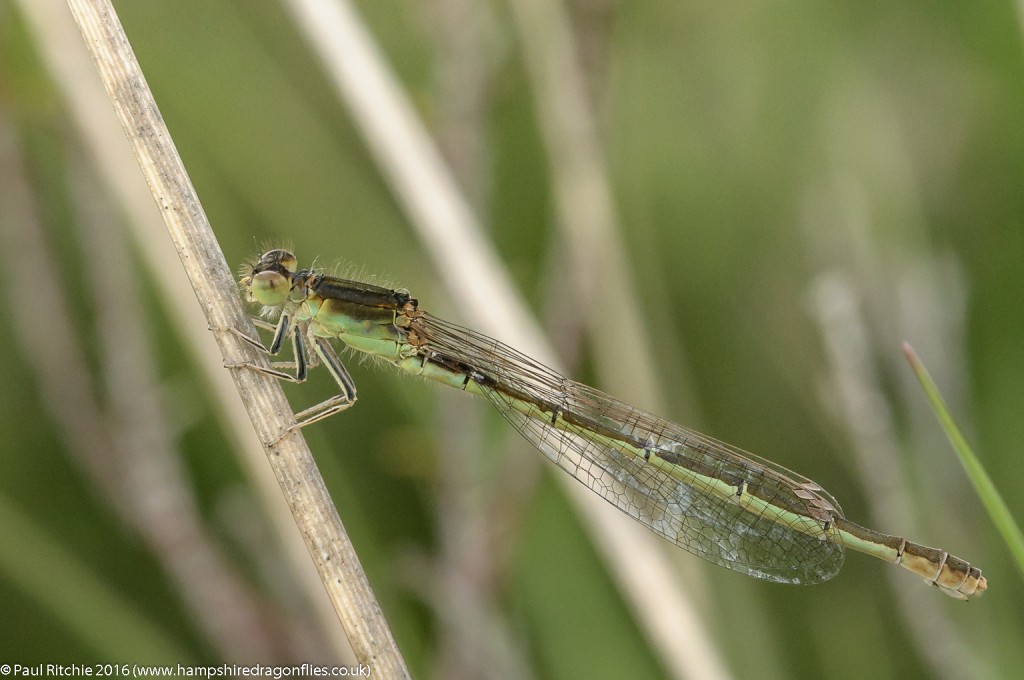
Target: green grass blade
(990, 497)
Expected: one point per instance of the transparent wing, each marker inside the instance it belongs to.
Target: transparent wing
(717, 502)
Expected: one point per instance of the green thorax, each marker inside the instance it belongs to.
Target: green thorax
(359, 314)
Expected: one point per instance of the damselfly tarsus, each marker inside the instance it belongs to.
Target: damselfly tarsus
(720, 503)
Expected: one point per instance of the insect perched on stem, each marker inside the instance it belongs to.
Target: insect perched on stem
(720, 503)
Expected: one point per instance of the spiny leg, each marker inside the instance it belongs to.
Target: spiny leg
(303, 360)
(300, 363)
(335, 404)
(265, 325)
(327, 408)
(280, 330)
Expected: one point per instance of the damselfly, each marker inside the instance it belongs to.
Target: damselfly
(720, 503)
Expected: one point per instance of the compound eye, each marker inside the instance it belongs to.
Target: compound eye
(269, 288)
(288, 261)
(278, 258)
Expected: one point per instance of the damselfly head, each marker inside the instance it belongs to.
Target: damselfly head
(268, 280)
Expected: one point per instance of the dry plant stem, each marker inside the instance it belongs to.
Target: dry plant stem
(411, 162)
(587, 218)
(156, 485)
(866, 415)
(128, 456)
(474, 639)
(479, 284)
(583, 199)
(58, 369)
(215, 288)
(854, 302)
(58, 39)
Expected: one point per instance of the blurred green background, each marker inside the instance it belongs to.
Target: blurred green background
(800, 187)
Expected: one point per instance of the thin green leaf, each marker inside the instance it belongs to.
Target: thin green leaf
(990, 497)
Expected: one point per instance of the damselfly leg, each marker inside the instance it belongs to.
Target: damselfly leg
(301, 362)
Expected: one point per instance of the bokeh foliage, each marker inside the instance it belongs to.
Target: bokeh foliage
(754, 149)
